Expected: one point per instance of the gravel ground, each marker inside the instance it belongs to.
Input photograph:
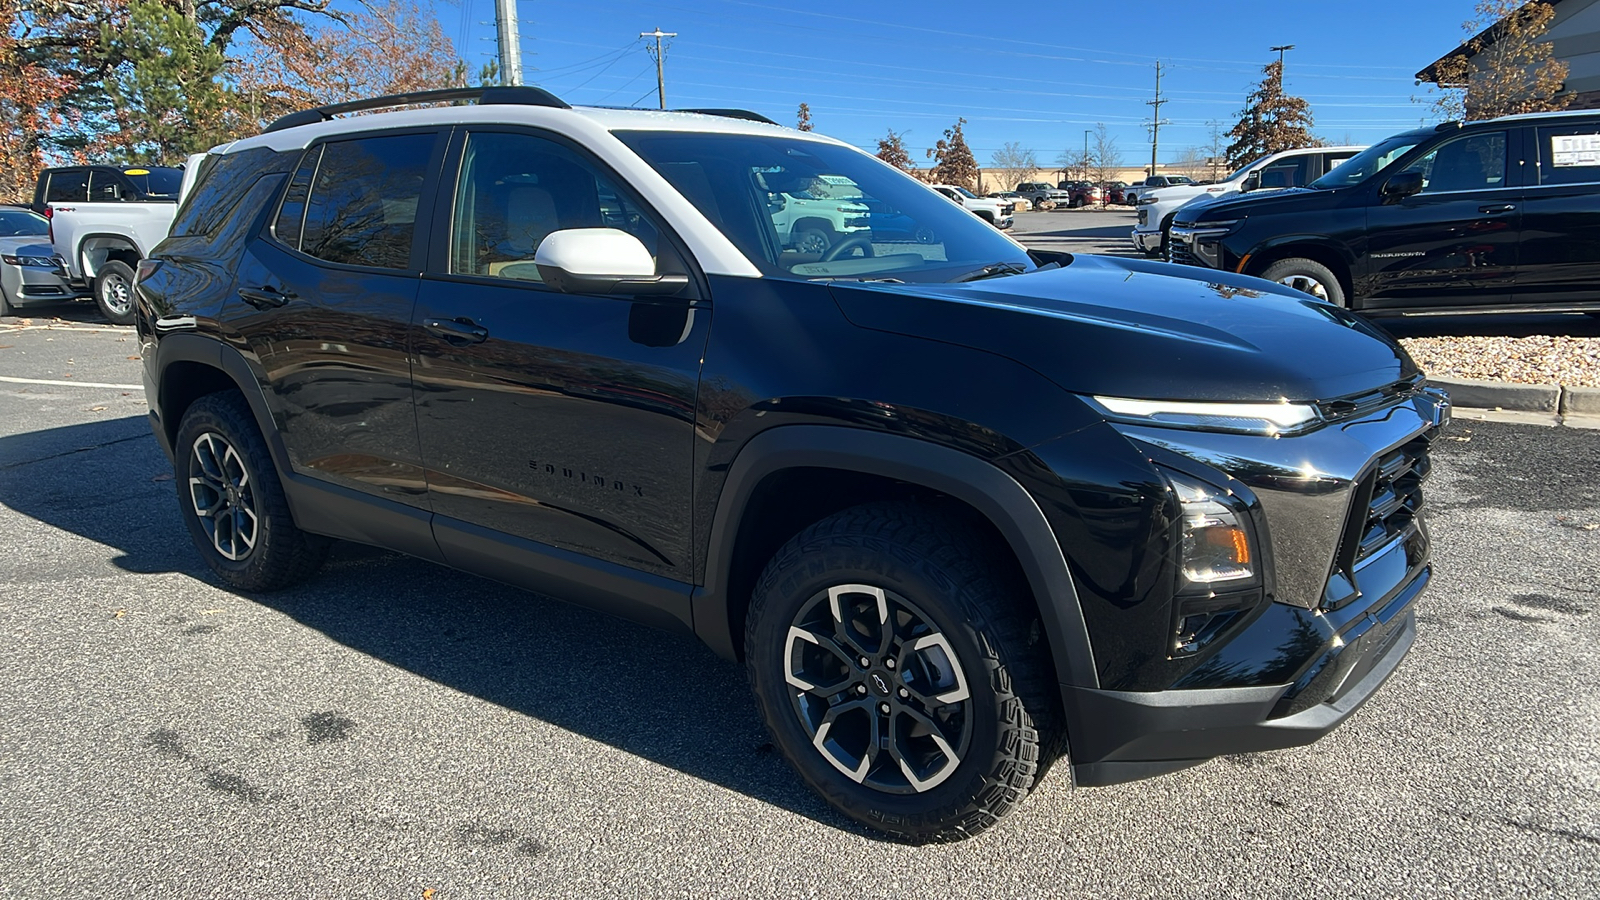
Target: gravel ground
(1539, 359)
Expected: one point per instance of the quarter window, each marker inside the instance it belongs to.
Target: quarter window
(362, 204)
(516, 189)
(1475, 162)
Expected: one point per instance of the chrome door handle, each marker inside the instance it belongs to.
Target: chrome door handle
(459, 331)
(1498, 208)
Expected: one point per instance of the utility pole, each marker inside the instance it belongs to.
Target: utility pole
(1086, 133)
(505, 21)
(1155, 119)
(661, 74)
(1279, 51)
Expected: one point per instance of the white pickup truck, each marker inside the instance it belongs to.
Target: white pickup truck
(996, 212)
(1289, 168)
(103, 220)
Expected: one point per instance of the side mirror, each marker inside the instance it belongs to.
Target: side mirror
(1402, 186)
(1252, 182)
(602, 261)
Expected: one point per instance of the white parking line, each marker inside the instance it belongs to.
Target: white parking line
(93, 384)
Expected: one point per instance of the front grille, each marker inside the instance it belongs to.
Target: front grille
(1178, 252)
(1387, 502)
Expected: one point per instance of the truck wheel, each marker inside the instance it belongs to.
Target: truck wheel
(1308, 276)
(113, 291)
(901, 673)
(233, 503)
(813, 240)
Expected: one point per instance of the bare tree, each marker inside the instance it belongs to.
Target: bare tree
(1104, 157)
(1193, 162)
(1214, 148)
(1505, 67)
(1013, 164)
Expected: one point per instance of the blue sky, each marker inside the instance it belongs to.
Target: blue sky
(1034, 73)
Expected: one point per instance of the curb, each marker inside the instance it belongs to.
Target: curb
(1540, 398)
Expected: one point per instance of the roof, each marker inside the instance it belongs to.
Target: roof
(1469, 48)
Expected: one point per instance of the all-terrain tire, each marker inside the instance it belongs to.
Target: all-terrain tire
(249, 538)
(1307, 276)
(929, 563)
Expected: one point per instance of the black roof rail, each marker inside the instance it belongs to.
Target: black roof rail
(745, 114)
(515, 95)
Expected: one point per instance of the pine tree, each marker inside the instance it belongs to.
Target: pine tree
(892, 150)
(804, 118)
(953, 160)
(1271, 121)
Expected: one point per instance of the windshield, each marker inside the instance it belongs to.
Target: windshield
(1368, 162)
(893, 227)
(1244, 170)
(22, 223)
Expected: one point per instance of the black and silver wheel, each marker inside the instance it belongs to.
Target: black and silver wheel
(233, 503)
(1307, 276)
(113, 291)
(813, 240)
(899, 671)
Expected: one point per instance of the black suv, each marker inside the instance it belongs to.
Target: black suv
(963, 510)
(104, 184)
(1490, 216)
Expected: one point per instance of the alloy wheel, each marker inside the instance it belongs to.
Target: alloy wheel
(116, 293)
(1305, 284)
(878, 688)
(223, 496)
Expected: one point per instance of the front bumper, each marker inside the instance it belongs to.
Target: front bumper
(1145, 241)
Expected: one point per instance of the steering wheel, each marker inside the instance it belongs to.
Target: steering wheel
(864, 241)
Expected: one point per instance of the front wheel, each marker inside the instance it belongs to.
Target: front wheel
(113, 291)
(900, 671)
(233, 503)
(1307, 276)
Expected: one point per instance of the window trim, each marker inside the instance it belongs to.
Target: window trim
(425, 200)
(437, 267)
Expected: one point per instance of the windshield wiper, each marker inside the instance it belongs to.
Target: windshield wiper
(990, 271)
(871, 279)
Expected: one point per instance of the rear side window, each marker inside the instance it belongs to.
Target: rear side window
(223, 179)
(104, 187)
(71, 186)
(362, 208)
(1569, 154)
(1285, 173)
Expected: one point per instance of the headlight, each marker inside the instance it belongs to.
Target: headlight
(43, 262)
(1216, 547)
(1217, 226)
(1239, 418)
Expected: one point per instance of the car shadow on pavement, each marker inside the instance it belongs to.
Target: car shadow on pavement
(659, 695)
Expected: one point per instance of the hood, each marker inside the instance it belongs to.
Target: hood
(1258, 203)
(27, 245)
(1130, 328)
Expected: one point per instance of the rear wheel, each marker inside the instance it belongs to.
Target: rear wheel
(113, 291)
(1308, 276)
(901, 673)
(233, 503)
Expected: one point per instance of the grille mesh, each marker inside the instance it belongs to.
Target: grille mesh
(1387, 502)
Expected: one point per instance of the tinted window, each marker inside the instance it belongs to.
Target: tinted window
(1369, 162)
(160, 183)
(70, 186)
(1474, 162)
(222, 180)
(1569, 154)
(292, 214)
(1285, 173)
(516, 189)
(363, 205)
(22, 223)
(104, 187)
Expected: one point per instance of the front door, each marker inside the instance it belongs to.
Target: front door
(564, 420)
(1453, 244)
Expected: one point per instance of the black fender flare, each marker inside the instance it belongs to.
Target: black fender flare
(208, 351)
(979, 484)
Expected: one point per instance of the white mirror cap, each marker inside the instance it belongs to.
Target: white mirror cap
(596, 251)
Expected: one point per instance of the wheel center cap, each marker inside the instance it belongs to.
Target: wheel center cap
(879, 682)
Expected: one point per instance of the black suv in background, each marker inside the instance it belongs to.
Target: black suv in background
(962, 509)
(104, 184)
(1490, 216)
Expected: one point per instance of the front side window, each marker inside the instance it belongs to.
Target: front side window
(70, 186)
(362, 205)
(1475, 162)
(516, 189)
(1285, 173)
(801, 208)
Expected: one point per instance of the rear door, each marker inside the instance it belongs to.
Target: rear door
(1455, 243)
(324, 301)
(1560, 212)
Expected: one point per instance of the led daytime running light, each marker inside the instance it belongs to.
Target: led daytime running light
(1254, 418)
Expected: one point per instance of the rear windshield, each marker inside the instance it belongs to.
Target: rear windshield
(156, 182)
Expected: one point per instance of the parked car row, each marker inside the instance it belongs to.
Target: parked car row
(1494, 215)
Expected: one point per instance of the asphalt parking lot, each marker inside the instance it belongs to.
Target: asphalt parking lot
(393, 728)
